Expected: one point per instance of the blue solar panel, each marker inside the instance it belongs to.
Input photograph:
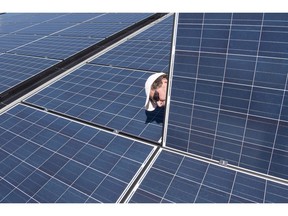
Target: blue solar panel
(181, 179)
(105, 96)
(76, 17)
(121, 17)
(45, 28)
(142, 55)
(96, 30)
(144, 51)
(16, 69)
(29, 17)
(56, 47)
(228, 93)
(45, 158)
(12, 41)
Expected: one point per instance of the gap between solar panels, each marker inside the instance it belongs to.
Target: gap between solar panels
(32, 83)
(106, 128)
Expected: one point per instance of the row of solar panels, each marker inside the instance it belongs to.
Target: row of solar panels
(50, 158)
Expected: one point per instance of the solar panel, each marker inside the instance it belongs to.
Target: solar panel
(228, 92)
(29, 17)
(7, 28)
(174, 178)
(76, 17)
(144, 51)
(94, 30)
(56, 47)
(142, 55)
(45, 28)
(16, 69)
(106, 96)
(121, 17)
(12, 41)
(46, 158)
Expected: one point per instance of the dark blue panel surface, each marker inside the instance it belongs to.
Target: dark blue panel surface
(187, 180)
(228, 93)
(120, 17)
(56, 47)
(63, 166)
(106, 96)
(94, 30)
(12, 41)
(45, 28)
(15, 69)
(149, 50)
(144, 55)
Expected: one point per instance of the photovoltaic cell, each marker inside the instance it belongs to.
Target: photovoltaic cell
(175, 178)
(229, 91)
(105, 96)
(45, 158)
(16, 69)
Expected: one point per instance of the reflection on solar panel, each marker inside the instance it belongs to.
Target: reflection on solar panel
(180, 179)
(16, 69)
(45, 158)
(105, 96)
(228, 91)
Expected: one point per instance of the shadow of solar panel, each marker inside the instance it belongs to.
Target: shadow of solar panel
(56, 165)
(16, 69)
(105, 96)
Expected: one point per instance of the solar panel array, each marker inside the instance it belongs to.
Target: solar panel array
(46, 158)
(45, 36)
(86, 138)
(229, 90)
(108, 91)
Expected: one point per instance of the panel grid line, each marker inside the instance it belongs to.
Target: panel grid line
(250, 97)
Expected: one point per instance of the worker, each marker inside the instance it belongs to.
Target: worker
(155, 89)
